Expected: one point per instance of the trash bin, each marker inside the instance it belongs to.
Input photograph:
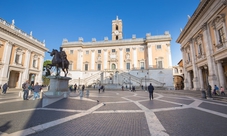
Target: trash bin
(203, 93)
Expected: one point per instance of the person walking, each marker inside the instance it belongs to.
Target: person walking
(75, 87)
(4, 88)
(222, 91)
(216, 92)
(151, 90)
(36, 89)
(103, 88)
(25, 87)
(83, 87)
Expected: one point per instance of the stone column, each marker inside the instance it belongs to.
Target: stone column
(27, 65)
(210, 60)
(220, 74)
(105, 58)
(195, 71)
(39, 76)
(169, 55)
(189, 80)
(20, 82)
(186, 85)
(200, 78)
(121, 59)
(6, 61)
(150, 59)
(135, 57)
(92, 59)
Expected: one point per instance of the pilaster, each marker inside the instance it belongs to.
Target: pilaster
(26, 65)
(121, 59)
(92, 59)
(135, 57)
(150, 59)
(105, 58)
(169, 55)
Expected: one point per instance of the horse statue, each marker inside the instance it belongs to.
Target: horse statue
(57, 62)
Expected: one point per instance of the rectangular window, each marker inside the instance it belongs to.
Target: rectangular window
(221, 35)
(200, 49)
(34, 64)
(159, 64)
(87, 52)
(70, 66)
(127, 49)
(128, 65)
(158, 46)
(86, 67)
(141, 65)
(17, 59)
(113, 50)
(99, 51)
(71, 51)
(99, 66)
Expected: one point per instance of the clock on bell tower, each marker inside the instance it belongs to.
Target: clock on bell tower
(117, 29)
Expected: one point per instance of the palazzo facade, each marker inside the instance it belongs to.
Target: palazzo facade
(117, 62)
(204, 46)
(21, 56)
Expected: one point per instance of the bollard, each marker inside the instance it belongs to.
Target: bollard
(87, 93)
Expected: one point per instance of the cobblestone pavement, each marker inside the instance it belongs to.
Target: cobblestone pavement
(115, 113)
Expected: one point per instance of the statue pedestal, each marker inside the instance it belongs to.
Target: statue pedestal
(59, 88)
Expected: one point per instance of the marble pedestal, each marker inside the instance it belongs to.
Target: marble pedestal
(59, 88)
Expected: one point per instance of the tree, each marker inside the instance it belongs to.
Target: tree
(46, 81)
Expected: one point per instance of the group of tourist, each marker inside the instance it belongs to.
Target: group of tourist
(216, 90)
(34, 88)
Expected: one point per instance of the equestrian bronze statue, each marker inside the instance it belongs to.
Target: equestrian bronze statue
(59, 61)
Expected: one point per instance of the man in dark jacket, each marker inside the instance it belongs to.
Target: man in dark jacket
(4, 88)
(151, 90)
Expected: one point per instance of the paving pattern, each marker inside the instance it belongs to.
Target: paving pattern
(114, 113)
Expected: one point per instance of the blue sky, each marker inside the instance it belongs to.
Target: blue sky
(54, 20)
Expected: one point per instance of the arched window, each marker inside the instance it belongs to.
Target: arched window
(116, 27)
(116, 37)
(113, 66)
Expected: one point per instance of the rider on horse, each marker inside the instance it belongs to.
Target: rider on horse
(63, 57)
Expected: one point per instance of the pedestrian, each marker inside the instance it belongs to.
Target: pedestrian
(36, 89)
(103, 88)
(126, 87)
(122, 88)
(25, 87)
(216, 90)
(142, 87)
(4, 88)
(100, 87)
(222, 91)
(133, 88)
(151, 90)
(83, 87)
(75, 87)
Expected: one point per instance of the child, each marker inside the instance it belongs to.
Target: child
(222, 91)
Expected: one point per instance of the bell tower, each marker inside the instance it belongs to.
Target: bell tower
(117, 29)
